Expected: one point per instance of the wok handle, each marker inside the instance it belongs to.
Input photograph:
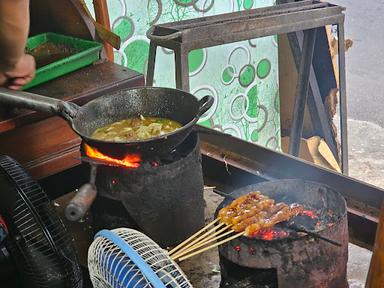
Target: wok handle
(38, 103)
(81, 202)
(83, 199)
(205, 104)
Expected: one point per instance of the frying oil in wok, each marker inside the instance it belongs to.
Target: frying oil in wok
(133, 129)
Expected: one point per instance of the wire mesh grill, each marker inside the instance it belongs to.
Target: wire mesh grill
(109, 266)
(40, 244)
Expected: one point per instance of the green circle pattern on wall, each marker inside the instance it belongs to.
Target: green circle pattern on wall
(255, 135)
(123, 27)
(185, 2)
(118, 58)
(137, 53)
(248, 4)
(277, 102)
(263, 68)
(253, 108)
(228, 75)
(206, 123)
(195, 60)
(247, 75)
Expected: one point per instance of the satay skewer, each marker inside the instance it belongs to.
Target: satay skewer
(193, 236)
(201, 237)
(193, 248)
(202, 241)
(210, 247)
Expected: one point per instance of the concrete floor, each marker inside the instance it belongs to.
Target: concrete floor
(358, 265)
(364, 61)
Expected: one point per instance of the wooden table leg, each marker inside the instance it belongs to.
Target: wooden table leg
(375, 277)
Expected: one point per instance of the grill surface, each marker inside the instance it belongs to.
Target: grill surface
(293, 261)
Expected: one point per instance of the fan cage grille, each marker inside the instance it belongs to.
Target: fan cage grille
(108, 262)
(42, 244)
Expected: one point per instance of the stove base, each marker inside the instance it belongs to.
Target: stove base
(235, 276)
(165, 201)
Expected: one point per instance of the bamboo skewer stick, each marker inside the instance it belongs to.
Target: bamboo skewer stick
(193, 236)
(179, 255)
(211, 246)
(191, 245)
(201, 237)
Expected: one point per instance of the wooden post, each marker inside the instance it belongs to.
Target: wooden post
(102, 17)
(375, 277)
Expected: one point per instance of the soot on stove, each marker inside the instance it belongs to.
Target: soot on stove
(162, 196)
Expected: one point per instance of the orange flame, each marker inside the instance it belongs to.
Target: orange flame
(269, 234)
(309, 213)
(129, 161)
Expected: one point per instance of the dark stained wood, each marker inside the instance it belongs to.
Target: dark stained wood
(46, 145)
(80, 87)
(43, 148)
(64, 17)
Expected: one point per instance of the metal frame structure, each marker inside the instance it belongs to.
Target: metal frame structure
(322, 80)
(230, 163)
(308, 16)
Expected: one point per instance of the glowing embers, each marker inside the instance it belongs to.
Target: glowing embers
(129, 160)
(270, 234)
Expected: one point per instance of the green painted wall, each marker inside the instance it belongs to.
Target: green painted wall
(242, 77)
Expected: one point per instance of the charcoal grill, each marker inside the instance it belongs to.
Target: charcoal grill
(295, 260)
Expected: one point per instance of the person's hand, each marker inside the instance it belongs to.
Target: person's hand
(3, 79)
(21, 74)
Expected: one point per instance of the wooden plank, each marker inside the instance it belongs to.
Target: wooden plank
(375, 277)
(102, 17)
(43, 148)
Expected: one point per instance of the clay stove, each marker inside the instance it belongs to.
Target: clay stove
(294, 260)
(161, 196)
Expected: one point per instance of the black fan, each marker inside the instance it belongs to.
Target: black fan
(38, 243)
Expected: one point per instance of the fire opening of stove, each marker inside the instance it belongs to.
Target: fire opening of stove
(128, 161)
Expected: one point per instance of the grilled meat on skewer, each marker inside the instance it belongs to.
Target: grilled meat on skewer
(253, 212)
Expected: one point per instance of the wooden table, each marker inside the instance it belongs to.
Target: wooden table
(47, 145)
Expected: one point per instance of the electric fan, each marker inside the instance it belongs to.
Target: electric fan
(127, 258)
(37, 244)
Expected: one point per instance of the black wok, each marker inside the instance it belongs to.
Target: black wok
(168, 103)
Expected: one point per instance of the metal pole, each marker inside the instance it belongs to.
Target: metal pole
(151, 64)
(302, 91)
(343, 99)
(182, 72)
(315, 103)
